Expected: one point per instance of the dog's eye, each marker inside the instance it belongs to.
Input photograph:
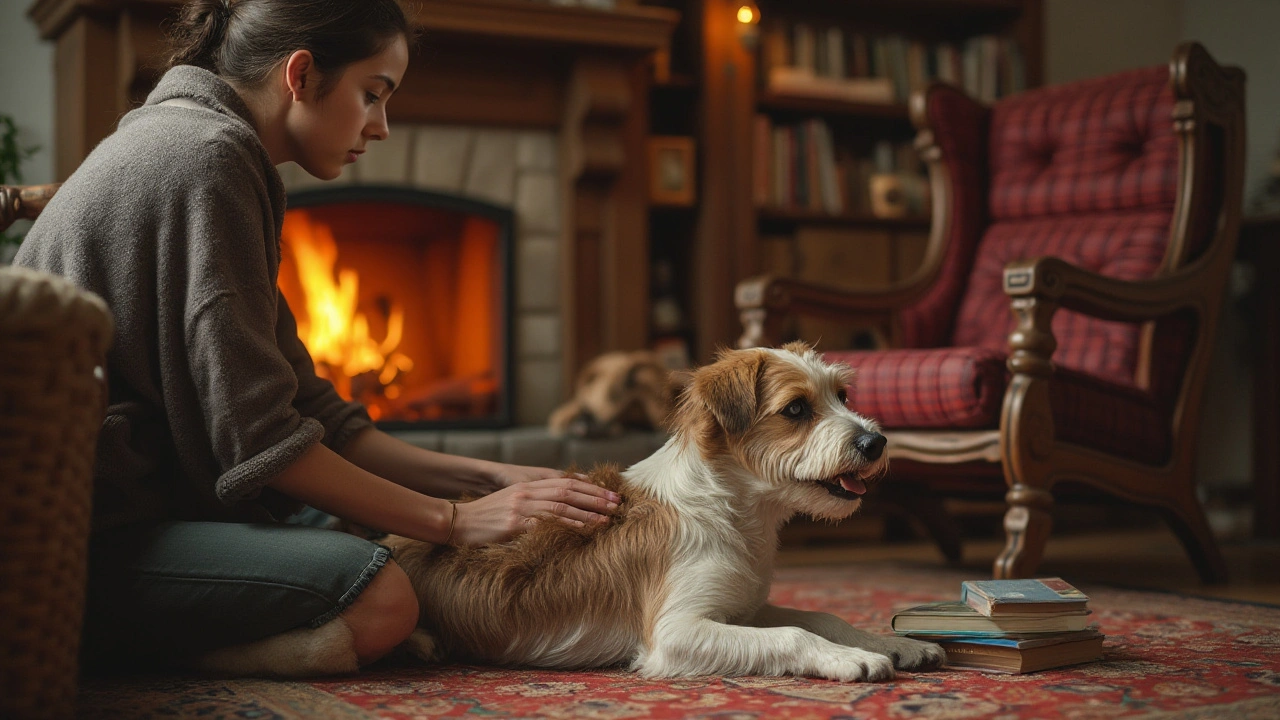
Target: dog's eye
(797, 409)
(844, 396)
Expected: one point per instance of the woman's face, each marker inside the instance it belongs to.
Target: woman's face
(336, 129)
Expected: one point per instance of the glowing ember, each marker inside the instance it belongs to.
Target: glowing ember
(334, 331)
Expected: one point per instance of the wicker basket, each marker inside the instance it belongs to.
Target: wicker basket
(53, 340)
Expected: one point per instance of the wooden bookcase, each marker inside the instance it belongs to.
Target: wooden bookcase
(715, 87)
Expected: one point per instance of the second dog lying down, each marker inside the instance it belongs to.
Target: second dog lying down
(676, 583)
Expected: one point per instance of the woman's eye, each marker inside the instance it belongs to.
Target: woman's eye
(795, 409)
(370, 98)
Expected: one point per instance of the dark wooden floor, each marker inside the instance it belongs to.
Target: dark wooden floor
(1147, 557)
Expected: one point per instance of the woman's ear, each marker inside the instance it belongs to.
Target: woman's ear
(299, 70)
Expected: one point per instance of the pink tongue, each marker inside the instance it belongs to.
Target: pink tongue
(853, 484)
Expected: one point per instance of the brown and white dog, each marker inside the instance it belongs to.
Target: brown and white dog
(676, 583)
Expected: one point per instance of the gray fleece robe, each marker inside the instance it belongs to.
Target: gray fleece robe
(175, 221)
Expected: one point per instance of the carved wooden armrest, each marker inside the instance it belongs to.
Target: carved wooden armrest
(23, 202)
(1075, 288)
(763, 301)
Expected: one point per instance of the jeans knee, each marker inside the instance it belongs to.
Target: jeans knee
(384, 615)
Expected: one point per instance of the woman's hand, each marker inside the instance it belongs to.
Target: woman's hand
(502, 515)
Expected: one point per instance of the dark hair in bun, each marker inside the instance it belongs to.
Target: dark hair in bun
(244, 40)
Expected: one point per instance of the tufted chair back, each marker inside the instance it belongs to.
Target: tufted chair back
(1087, 172)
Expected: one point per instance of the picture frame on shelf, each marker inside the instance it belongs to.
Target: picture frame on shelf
(672, 170)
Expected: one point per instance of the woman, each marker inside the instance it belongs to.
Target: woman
(218, 428)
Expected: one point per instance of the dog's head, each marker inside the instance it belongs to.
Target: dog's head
(777, 418)
(614, 391)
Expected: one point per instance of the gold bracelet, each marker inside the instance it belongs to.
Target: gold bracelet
(452, 520)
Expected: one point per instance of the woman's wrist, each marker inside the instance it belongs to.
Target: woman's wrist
(441, 518)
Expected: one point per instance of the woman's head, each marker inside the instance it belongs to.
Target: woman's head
(244, 40)
(318, 72)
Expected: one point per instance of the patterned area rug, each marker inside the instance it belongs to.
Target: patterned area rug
(1167, 656)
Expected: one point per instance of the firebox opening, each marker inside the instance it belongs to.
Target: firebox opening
(403, 300)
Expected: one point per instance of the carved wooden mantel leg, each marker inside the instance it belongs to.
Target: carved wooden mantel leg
(1027, 433)
(605, 261)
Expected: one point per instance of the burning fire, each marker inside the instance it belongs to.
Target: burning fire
(334, 331)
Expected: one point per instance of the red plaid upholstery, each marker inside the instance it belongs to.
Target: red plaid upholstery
(1093, 146)
(1125, 245)
(963, 388)
(1088, 172)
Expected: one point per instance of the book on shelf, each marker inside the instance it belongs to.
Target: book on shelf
(798, 82)
(1022, 654)
(804, 166)
(1002, 597)
(955, 618)
(804, 58)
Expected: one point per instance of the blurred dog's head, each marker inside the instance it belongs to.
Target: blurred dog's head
(777, 419)
(615, 391)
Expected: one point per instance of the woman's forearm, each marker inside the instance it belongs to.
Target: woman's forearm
(323, 479)
(422, 470)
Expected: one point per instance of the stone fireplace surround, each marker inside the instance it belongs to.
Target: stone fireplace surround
(512, 168)
(518, 169)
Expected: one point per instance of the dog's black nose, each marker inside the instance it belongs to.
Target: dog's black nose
(871, 445)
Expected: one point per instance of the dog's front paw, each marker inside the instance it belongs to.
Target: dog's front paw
(854, 665)
(908, 654)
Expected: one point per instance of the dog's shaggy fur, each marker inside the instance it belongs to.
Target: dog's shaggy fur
(676, 583)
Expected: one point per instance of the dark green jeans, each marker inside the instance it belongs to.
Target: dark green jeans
(169, 590)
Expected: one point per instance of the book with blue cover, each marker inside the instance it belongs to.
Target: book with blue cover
(1004, 597)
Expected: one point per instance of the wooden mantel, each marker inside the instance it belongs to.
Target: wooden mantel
(578, 71)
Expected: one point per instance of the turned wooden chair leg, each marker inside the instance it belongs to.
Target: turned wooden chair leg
(1027, 523)
(1187, 519)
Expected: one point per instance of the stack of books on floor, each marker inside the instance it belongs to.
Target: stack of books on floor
(1008, 626)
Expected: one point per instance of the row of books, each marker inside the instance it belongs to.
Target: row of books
(800, 59)
(1008, 626)
(802, 166)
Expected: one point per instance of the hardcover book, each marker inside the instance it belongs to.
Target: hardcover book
(957, 619)
(1002, 597)
(1016, 656)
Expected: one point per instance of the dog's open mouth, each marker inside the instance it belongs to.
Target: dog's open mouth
(845, 485)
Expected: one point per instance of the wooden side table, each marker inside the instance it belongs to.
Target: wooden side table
(1260, 247)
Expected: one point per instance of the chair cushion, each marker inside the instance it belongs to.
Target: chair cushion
(957, 388)
(1098, 145)
(963, 388)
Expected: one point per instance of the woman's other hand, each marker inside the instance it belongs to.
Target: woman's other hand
(507, 475)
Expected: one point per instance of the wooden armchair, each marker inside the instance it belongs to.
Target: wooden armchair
(1104, 215)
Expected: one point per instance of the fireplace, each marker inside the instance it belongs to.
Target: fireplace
(404, 300)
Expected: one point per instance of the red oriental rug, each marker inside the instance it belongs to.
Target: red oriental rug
(1167, 656)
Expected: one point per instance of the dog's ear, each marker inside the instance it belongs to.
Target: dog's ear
(729, 388)
(799, 347)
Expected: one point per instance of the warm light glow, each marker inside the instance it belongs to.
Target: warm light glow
(747, 15)
(334, 332)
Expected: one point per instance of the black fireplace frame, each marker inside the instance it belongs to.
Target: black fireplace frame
(504, 218)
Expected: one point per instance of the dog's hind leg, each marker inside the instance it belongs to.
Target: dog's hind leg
(907, 654)
(422, 645)
(327, 650)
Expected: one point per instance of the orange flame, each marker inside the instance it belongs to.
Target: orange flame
(334, 331)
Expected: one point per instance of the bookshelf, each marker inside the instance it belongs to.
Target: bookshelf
(742, 223)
